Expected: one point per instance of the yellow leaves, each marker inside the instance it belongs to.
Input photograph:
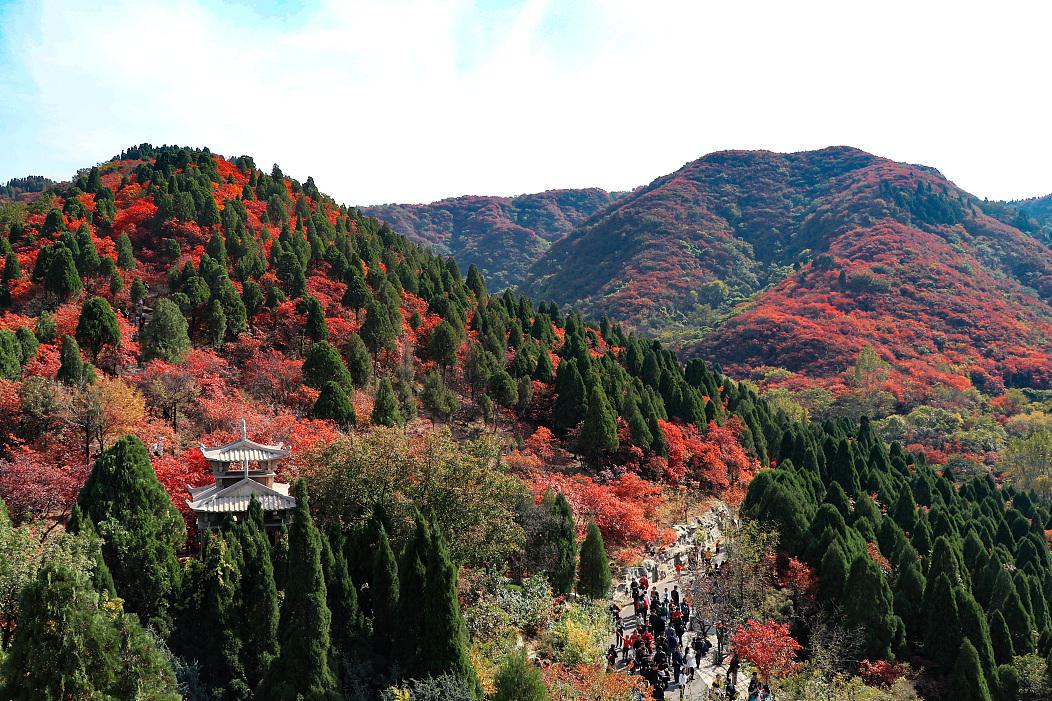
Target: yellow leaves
(123, 407)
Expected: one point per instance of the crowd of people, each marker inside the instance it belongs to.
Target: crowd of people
(665, 649)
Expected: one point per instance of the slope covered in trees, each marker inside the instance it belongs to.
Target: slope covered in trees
(503, 236)
(799, 260)
(470, 456)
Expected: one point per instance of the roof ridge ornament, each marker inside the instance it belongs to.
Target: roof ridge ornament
(244, 429)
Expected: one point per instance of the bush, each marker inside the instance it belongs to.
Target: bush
(580, 635)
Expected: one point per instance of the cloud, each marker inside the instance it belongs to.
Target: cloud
(394, 100)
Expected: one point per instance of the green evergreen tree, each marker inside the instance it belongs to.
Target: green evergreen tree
(518, 680)
(71, 365)
(975, 629)
(378, 331)
(87, 258)
(67, 648)
(217, 636)
(165, 335)
(125, 255)
(967, 682)
(215, 322)
(544, 372)
(868, 603)
(139, 527)
(1005, 599)
(27, 344)
(97, 327)
(62, 278)
(12, 270)
(359, 362)
(599, 430)
(593, 573)
(302, 669)
(563, 535)
(443, 344)
(334, 404)
(637, 425)
(444, 637)
(438, 397)
(571, 400)
(260, 615)
(386, 411)
(323, 364)
(383, 591)
(316, 329)
(1001, 639)
(943, 627)
(348, 623)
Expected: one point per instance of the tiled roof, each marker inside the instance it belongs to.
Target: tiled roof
(236, 497)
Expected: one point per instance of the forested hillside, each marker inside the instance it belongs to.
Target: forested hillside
(503, 236)
(471, 471)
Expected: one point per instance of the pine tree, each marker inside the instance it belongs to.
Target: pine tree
(386, 411)
(383, 592)
(564, 536)
(444, 637)
(1005, 599)
(347, 621)
(359, 362)
(165, 335)
(125, 255)
(215, 322)
(97, 327)
(323, 364)
(12, 270)
(217, 636)
(260, 615)
(599, 431)
(518, 680)
(1001, 639)
(315, 328)
(334, 404)
(868, 603)
(71, 367)
(943, 638)
(544, 371)
(443, 344)
(975, 629)
(967, 682)
(637, 425)
(62, 278)
(378, 332)
(571, 402)
(139, 526)
(87, 258)
(593, 573)
(67, 648)
(302, 667)
(412, 580)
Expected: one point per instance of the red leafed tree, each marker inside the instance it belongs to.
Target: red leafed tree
(881, 672)
(715, 460)
(767, 646)
(37, 485)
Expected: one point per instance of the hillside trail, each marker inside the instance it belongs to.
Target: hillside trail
(704, 531)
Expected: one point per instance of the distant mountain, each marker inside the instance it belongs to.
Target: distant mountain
(31, 184)
(800, 260)
(503, 236)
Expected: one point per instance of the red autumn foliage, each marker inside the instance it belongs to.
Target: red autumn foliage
(766, 646)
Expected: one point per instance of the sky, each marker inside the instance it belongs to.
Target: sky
(413, 101)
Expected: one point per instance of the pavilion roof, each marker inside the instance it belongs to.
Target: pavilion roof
(244, 449)
(235, 498)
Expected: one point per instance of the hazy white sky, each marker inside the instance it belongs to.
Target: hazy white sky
(406, 100)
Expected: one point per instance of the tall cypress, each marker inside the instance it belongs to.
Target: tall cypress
(217, 636)
(383, 593)
(593, 574)
(302, 667)
(260, 615)
(967, 682)
(444, 638)
(599, 431)
(139, 527)
(868, 603)
(347, 622)
(564, 537)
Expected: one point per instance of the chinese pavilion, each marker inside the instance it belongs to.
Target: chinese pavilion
(242, 469)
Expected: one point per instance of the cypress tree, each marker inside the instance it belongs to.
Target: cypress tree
(347, 621)
(593, 573)
(62, 278)
(386, 411)
(334, 404)
(571, 402)
(165, 335)
(67, 648)
(518, 680)
(12, 270)
(383, 593)
(637, 425)
(943, 638)
(975, 629)
(599, 431)
(564, 536)
(258, 623)
(359, 362)
(1005, 599)
(833, 573)
(139, 526)
(315, 328)
(302, 669)
(967, 682)
(97, 326)
(87, 258)
(412, 581)
(378, 331)
(217, 636)
(443, 344)
(1001, 639)
(324, 364)
(544, 371)
(125, 255)
(909, 598)
(868, 603)
(444, 637)
(215, 322)
(71, 365)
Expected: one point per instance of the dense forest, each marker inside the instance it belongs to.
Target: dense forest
(472, 471)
